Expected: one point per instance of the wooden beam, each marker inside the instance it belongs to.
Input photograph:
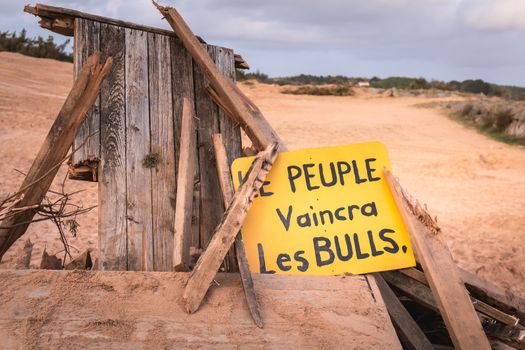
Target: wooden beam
(479, 305)
(184, 199)
(421, 294)
(483, 290)
(227, 188)
(225, 233)
(55, 147)
(452, 298)
(410, 333)
(256, 126)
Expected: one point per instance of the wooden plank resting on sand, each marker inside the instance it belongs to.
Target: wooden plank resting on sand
(452, 298)
(54, 150)
(225, 233)
(227, 188)
(184, 201)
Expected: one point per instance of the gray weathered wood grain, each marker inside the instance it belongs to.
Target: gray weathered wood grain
(182, 87)
(138, 174)
(230, 131)
(211, 208)
(163, 176)
(87, 42)
(112, 171)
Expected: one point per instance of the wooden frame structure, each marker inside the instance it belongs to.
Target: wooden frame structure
(132, 136)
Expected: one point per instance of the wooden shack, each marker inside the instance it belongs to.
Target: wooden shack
(130, 141)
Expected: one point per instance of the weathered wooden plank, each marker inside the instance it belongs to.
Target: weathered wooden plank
(184, 202)
(479, 305)
(136, 310)
(421, 293)
(54, 149)
(163, 176)
(229, 227)
(227, 189)
(230, 131)
(211, 209)
(87, 42)
(139, 160)
(182, 87)
(411, 335)
(112, 178)
(452, 298)
(256, 126)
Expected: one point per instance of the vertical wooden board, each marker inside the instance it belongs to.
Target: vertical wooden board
(163, 176)
(112, 177)
(211, 207)
(182, 86)
(87, 42)
(230, 130)
(138, 175)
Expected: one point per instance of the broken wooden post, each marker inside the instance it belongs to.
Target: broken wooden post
(225, 181)
(452, 298)
(24, 260)
(256, 126)
(225, 233)
(55, 147)
(184, 199)
(410, 333)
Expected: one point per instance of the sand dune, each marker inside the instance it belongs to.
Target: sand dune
(475, 185)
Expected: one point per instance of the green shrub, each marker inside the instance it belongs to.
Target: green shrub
(337, 90)
(502, 119)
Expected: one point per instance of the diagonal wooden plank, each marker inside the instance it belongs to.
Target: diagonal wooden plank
(256, 126)
(225, 180)
(410, 333)
(452, 298)
(225, 233)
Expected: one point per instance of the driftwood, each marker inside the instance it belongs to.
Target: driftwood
(185, 179)
(54, 149)
(227, 188)
(256, 126)
(452, 298)
(50, 262)
(24, 259)
(225, 233)
(81, 262)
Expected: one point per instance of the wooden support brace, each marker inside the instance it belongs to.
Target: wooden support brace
(256, 126)
(225, 233)
(452, 298)
(410, 333)
(55, 147)
(225, 181)
(184, 199)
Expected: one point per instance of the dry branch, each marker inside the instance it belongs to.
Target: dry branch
(225, 181)
(225, 233)
(55, 148)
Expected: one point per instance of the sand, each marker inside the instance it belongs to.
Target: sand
(473, 184)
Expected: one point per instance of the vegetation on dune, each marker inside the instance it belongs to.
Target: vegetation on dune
(336, 90)
(36, 47)
(476, 86)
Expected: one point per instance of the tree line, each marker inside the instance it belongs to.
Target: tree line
(35, 47)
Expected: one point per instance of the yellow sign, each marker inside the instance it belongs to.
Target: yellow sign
(325, 211)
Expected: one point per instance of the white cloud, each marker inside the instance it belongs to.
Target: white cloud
(494, 14)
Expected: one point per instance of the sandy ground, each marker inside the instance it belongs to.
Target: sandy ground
(475, 185)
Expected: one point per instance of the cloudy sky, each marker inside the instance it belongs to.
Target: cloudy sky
(435, 39)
